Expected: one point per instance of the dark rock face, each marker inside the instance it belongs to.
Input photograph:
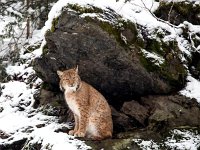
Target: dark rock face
(121, 122)
(171, 111)
(15, 145)
(194, 66)
(53, 104)
(114, 70)
(136, 111)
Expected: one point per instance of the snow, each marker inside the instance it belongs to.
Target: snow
(147, 145)
(188, 141)
(192, 88)
(155, 58)
(178, 139)
(58, 141)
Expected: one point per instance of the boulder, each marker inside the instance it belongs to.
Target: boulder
(108, 55)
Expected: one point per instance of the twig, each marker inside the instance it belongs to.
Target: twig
(170, 11)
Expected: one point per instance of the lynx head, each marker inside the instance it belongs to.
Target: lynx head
(69, 79)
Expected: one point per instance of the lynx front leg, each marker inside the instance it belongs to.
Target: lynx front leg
(83, 119)
(71, 132)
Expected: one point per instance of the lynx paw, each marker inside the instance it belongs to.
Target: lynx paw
(79, 134)
(71, 132)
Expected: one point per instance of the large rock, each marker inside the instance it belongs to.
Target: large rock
(171, 112)
(113, 66)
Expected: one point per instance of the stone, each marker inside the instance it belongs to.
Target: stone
(3, 135)
(114, 68)
(53, 104)
(121, 122)
(136, 111)
(172, 111)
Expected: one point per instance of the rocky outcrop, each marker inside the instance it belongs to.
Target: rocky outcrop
(112, 59)
(109, 57)
(171, 111)
(157, 113)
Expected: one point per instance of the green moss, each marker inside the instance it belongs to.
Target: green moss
(45, 49)
(113, 31)
(81, 10)
(147, 63)
(154, 46)
(116, 30)
(45, 86)
(171, 70)
(54, 24)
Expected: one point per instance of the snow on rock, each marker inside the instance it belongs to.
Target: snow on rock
(192, 88)
(188, 140)
(157, 60)
(178, 139)
(56, 141)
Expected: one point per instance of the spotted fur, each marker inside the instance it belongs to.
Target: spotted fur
(92, 113)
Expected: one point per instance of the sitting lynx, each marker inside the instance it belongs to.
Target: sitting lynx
(91, 111)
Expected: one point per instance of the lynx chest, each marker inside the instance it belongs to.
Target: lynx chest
(72, 103)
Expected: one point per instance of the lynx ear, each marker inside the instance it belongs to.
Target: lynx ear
(60, 73)
(76, 69)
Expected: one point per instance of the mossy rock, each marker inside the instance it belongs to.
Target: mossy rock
(172, 69)
(124, 31)
(109, 55)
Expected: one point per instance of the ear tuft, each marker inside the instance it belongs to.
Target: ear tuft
(76, 69)
(60, 73)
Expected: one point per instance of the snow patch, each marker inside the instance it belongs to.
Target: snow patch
(192, 88)
(155, 58)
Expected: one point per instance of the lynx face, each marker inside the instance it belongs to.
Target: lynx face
(69, 79)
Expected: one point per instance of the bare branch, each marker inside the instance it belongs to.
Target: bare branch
(170, 11)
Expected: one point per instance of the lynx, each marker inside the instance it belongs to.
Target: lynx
(92, 113)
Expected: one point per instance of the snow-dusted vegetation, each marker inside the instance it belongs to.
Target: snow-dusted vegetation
(25, 126)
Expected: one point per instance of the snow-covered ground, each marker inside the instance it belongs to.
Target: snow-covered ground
(18, 118)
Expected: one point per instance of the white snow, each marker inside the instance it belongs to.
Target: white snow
(147, 145)
(192, 88)
(189, 140)
(178, 139)
(155, 58)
